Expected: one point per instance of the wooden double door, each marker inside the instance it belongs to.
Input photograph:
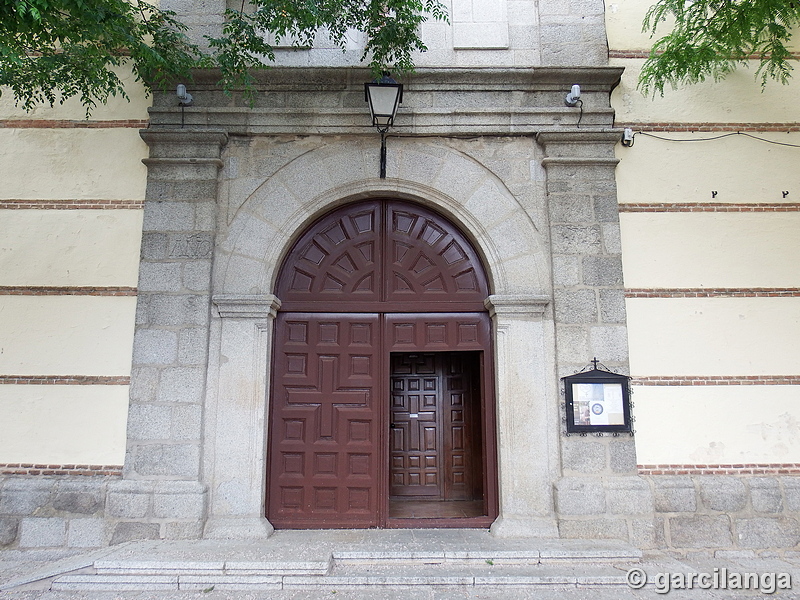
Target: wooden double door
(368, 407)
(379, 297)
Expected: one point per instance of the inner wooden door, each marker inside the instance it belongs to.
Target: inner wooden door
(434, 436)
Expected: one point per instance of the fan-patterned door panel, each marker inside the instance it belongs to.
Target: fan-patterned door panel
(428, 260)
(337, 259)
(324, 440)
(384, 256)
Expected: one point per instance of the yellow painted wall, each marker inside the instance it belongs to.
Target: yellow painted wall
(67, 164)
(63, 424)
(711, 250)
(66, 335)
(717, 424)
(738, 168)
(709, 336)
(69, 247)
(714, 336)
(69, 334)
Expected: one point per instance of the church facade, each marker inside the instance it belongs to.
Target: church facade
(316, 346)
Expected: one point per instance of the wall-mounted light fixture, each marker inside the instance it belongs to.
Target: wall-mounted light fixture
(184, 97)
(597, 401)
(384, 96)
(574, 96)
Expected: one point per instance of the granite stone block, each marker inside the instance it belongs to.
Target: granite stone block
(622, 455)
(700, 531)
(48, 532)
(580, 496)
(765, 494)
(8, 530)
(583, 455)
(78, 497)
(86, 533)
(674, 494)
(23, 497)
(763, 532)
(601, 528)
(127, 531)
(724, 494)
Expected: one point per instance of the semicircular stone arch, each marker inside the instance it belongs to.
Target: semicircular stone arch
(265, 227)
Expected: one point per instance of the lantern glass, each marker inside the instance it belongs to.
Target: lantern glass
(383, 99)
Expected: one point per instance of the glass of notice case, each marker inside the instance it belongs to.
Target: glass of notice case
(597, 400)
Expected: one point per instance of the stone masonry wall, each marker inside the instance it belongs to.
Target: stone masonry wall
(684, 514)
(92, 512)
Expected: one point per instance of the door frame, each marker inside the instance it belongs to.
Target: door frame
(485, 468)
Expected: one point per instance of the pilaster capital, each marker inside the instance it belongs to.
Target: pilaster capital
(240, 306)
(184, 145)
(510, 306)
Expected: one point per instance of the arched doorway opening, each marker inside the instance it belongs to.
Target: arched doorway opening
(382, 404)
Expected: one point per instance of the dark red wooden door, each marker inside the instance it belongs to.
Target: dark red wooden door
(343, 287)
(324, 451)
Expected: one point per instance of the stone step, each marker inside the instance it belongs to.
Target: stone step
(230, 567)
(441, 575)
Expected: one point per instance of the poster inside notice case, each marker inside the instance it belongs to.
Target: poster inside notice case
(598, 404)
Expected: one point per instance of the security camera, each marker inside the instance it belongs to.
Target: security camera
(574, 96)
(184, 97)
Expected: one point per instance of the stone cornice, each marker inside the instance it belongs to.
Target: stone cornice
(446, 101)
(427, 78)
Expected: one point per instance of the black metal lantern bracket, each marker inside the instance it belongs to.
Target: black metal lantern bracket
(597, 401)
(384, 95)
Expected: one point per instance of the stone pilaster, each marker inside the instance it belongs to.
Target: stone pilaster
(588, 291)
(526, 441)
(236, 421)
(170, 351)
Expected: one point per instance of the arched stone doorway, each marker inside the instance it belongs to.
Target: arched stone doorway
(382, 399)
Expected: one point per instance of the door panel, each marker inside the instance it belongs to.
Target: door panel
(415, 426)
(324, 443)
(462, 444)
(433, 429)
